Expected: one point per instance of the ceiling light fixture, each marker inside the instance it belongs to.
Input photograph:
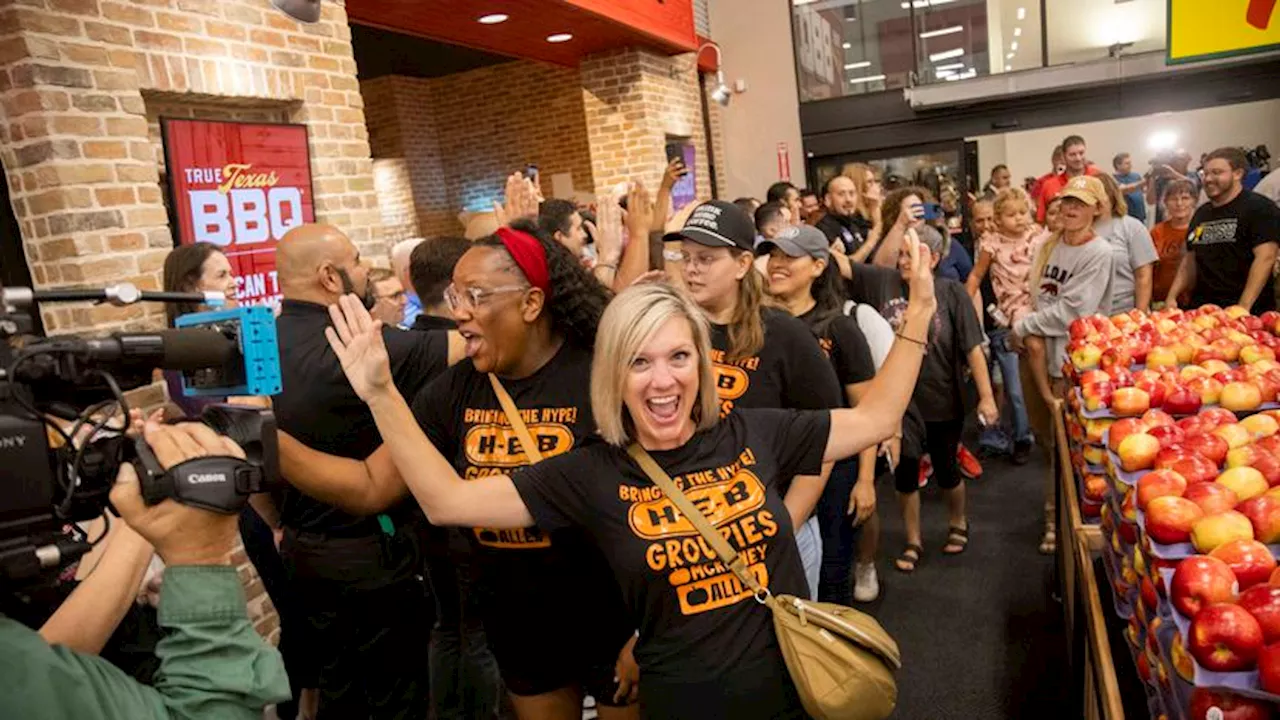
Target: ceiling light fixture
(1022, 13)
(1013, 45)
(867, 79)
(947, 55)
(1162, 140)
(721, 94)
(492, 19)
(949, 68)
(1009, 56)
(1017, 32)
(848, 45)
(559, 38)
(307, 11)
(943, 31)
(856, 65)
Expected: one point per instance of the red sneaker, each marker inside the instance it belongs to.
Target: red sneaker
(926, 470)
(969, 465)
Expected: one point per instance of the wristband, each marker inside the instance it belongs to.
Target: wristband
(921, 343)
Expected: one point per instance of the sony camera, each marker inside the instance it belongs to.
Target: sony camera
(63, 417)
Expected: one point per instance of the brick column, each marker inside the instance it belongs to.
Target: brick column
(635, 98)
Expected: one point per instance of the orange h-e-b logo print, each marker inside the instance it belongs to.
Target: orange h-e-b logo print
(1260, 12)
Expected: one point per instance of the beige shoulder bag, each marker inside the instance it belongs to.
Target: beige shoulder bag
(517, 423)
(841, 660)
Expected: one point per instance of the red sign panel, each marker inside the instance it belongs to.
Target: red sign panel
(240, 186)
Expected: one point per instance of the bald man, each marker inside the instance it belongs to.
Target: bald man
(400, 253)
(360, 607)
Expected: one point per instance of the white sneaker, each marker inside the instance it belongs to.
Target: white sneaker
(866, 584)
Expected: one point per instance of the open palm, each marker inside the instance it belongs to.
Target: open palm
(356, 338)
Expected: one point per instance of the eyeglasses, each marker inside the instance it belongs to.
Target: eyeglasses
(472, 297)
(700, 261)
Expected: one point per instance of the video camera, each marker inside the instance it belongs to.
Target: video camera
(53, 476)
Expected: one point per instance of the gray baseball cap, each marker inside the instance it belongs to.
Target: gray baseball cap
(798, 241)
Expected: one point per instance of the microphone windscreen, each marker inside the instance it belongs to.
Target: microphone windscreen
(196, 348)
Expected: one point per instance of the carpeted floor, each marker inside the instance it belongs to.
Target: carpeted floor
(981, 636)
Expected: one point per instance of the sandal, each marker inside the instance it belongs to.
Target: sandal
(957, 540)
(910, 557)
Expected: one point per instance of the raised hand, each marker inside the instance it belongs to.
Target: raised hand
(608, 233)
(640, 214)
(920, 275)
(356, 338)
(520, 199)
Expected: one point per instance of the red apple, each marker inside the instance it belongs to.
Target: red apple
(1214, 705)
(1122, 429)
(1194, 426)
(1200, 581)
(1168, 435)
(1115, 357)
(1269, 668)
(1159, 483)
(1263, 603)
(1267, 386)
(1234, 433)
(1090, 377)
(1271, 444)
(1264, 514)
(1121, 377)
(1211, 497)
(1207, 388)
(1181, 401)
(1217, 416)
(1208, 533)
(1149, 598)
(1095, 488)
(1130, 401)
(1138, 452)
(1170, 519)
(1097, 396)
(1240, 396)
(1250, 560)
(1155, 390)
(1161, 357)
(1225, 638)
(1269, 466)
(1195, 469)
(1207, 353)
(1155, 417)
(1212, 447)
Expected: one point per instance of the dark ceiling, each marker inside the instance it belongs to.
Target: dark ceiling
(382, 52)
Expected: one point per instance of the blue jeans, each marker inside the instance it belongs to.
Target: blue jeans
(1015, 402)
(839, 536)
(809, 541)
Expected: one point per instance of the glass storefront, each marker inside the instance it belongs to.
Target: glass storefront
(850, 47)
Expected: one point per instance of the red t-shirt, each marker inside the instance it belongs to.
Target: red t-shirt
(1170, 244)
(1051, 185)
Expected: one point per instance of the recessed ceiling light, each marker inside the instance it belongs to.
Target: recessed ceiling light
(944, 31)
(856, 65)
(559, 38)
(867, 79)
(1022, 13)
(1009, 56)
(848, 45)
(493, 19)
(1017, 32)
(938, 57)
(1013, 45)
(949, 68)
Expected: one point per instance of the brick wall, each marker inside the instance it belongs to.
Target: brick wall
(76, 144)
(462, 134)
(635, 98)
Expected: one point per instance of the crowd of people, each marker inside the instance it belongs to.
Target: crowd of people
(464, 531)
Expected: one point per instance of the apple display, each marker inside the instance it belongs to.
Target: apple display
(1186, 372)
(1212, 447)
(1086, 357)
(1250, 354)
(1120, 376)
(1195, 469)
(1095, 488)
(1264, 514)
(1114, 357)
(1243, 456)
(1156, 392)
(1206, 354)
(1213, 417)
(1171, 519)
(1250, 560)
(1207, 388)
(1269, 466)
(1240, 397)
(1224, 638)
(1234, 433)
(1159, 483)
(1097, 396)
(1094, 430)
(1183, 351)
(1194, 425)
(1155, 417)
(1208, 704)
(1138, 452)
(1263, 603)
(1182, 401)
(1230, 350)
(1245, 482)
(1090, 377)
(1161, 357)
(1210, 532)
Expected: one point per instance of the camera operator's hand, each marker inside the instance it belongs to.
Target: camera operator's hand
(181, 534)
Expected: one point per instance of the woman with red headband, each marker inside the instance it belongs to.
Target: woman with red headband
(553, 613)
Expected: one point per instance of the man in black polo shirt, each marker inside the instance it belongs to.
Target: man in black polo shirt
(842, 222)
(1231, 244)
(362, 609)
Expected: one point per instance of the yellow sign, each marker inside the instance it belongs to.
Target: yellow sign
(1207, 29)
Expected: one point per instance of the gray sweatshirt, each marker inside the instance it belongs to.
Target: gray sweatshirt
(1076, 283)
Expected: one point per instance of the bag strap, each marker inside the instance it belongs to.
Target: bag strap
(517, 423)
(722, 548)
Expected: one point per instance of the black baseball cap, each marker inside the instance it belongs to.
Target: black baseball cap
(717, 223)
